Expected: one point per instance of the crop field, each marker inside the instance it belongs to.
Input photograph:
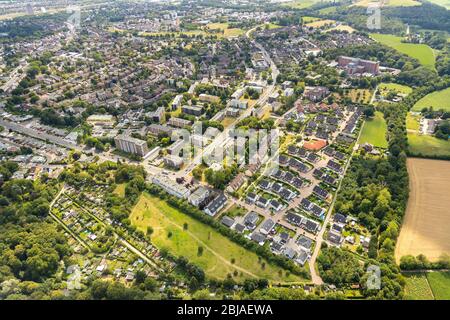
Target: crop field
(421, 52)
(428, 145)
(417, 287)
(426, 225)
(437, 100)
(374, 131)
(182, 235)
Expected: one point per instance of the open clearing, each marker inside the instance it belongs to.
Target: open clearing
(391, 3)
(421, 52)
(384, 88)
(374, 131)
(300, 4)
(120, 190)
(417, 287)
(437, 100)
(428, 145)
(320, 23)
(426, 226)
(218, 252)
(360, 95)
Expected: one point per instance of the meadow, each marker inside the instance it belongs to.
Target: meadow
(374, 131)
(391, 3)
(426, 145)
(385, 87)
(440, 284)
(422, 52)
(182, 235)
(437, 100)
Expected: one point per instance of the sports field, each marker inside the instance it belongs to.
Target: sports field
(426, 225)
(421, 52)
(437, 100)
(428, 145)
(220, 256)
(374, 131)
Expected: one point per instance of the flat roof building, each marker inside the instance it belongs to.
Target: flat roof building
(131, 145)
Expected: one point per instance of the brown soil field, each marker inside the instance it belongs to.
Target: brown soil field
(426, 226)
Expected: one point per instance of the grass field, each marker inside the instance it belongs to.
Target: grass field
(374, 131)
(342, 28)
(437, 100)
(308, 19)
(428, 145)
(440, 284)
(391, 3)
(120, 190)
(227, 32)
(421, 52)
(426, 225)
(300, 4)
(218, 251)
(399, 88)
(444, 3)
(417, 287)
(320, 23)
(413, 122)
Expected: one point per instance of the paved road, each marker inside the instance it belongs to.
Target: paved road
(316, 279)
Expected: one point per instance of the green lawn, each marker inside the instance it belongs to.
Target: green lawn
(218, 251)
(413, 122)
(437, 100)
(428, 145)
(440, 284)
(421, 52)
(444, 3)
(391, 3)
(120, 190)
(374, 131)
(300, 4)
(417, 287)
(399, 88)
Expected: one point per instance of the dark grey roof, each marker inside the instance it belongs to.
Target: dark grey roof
(228, 221)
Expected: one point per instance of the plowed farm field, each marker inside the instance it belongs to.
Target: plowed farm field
(426, 226)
